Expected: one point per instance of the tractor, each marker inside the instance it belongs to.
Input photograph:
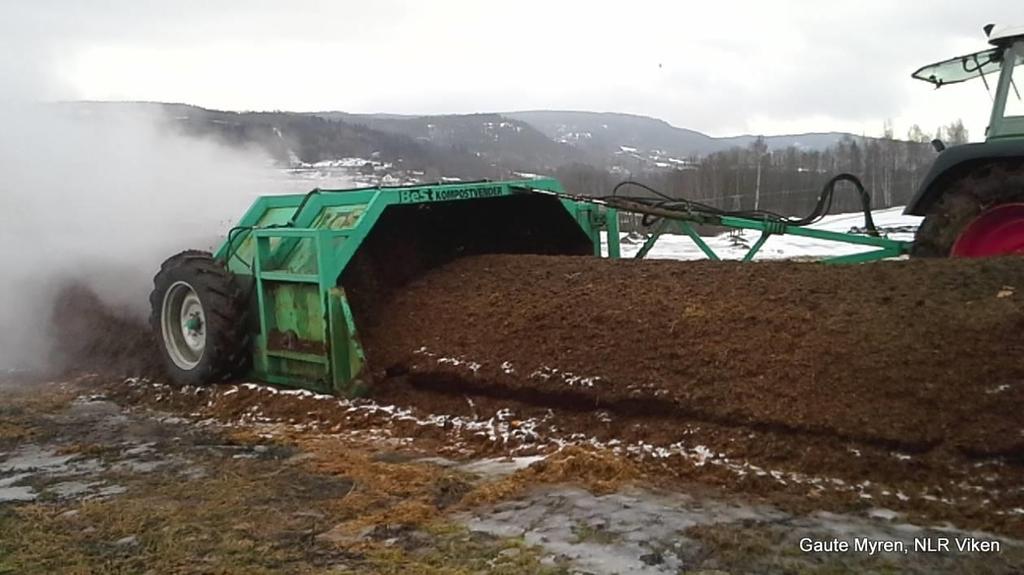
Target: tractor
(972, 198)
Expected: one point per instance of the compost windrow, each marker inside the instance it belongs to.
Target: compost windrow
(914, 354)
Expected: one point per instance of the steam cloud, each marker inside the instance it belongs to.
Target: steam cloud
(97, 194)
(102, 198)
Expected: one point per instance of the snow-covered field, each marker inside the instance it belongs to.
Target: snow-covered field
(734, 245)
(350, 173)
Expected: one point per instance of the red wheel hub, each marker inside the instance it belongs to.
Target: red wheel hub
(996, 231)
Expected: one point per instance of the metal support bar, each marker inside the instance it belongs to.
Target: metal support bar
(863, 257)
(612, 224)
(289, 277)
(888, 248)
(749, 224)
(652, 239)
(757, 245)
(704, 247)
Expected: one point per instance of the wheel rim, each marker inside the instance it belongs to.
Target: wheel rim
(183, 325)
(997, 231)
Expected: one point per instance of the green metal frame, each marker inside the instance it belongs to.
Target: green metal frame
(294, 249)
(1000, 125)
(886, 248)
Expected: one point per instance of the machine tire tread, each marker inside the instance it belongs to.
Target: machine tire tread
(981, 188)
(227, 353)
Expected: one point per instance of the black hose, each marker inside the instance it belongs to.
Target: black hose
(232, 250)
(305, 200)
(821, 207)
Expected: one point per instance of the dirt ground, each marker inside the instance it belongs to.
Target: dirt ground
(90, 485)
(564, 415)
(101, 476)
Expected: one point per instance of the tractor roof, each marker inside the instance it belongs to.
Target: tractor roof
(1002, 35)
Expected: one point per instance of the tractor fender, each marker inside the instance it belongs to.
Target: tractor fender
(956, 161)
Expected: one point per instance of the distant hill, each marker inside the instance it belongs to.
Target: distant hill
(588, 152)
(546, 139)
(605, 134)
(496, 138)
(492, 145)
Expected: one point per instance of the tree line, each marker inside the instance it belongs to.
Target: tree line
(788, 181)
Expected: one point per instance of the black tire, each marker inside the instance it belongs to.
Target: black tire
(960, 203)
(224, 321)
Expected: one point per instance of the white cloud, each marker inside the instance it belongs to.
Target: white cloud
(721, 67)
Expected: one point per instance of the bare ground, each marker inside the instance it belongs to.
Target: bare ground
(560, 417)
(91, 485)
(137, 477)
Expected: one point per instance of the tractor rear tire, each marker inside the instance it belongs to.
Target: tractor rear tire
(200, 319)
(963, 202)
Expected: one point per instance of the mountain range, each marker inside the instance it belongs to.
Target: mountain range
(491, 145)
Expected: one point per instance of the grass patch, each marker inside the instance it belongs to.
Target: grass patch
(256, 516)
(14, 431)
(24, 408)
(241, 521)
(88, 449)
(447, 549)
(598, 471)
(586, 533)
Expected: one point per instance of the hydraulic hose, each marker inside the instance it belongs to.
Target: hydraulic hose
(665, 206)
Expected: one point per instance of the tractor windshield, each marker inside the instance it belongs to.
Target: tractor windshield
(961, 68)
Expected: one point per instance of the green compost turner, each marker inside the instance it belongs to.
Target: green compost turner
(283, 297)
(294, 264)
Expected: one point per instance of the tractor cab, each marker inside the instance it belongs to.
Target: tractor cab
(1000, 68)
(972, 197)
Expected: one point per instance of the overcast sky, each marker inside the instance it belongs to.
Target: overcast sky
(719, 66)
